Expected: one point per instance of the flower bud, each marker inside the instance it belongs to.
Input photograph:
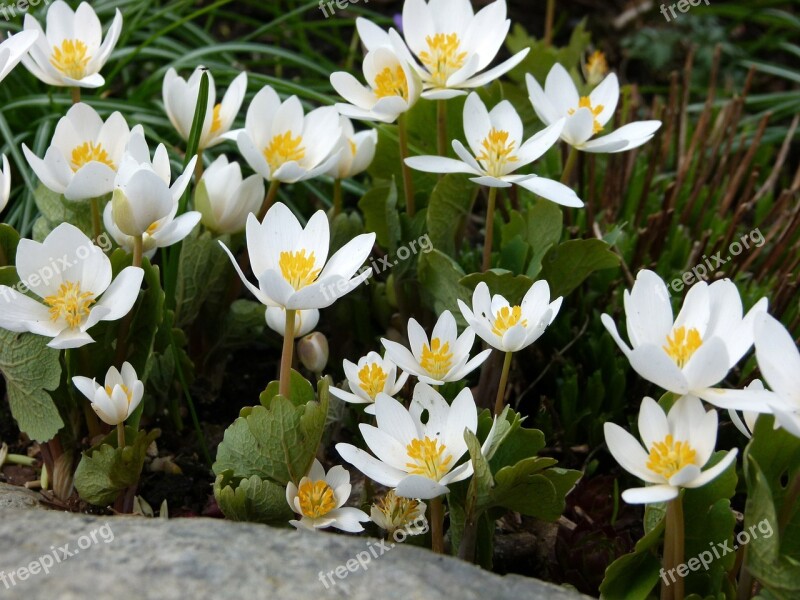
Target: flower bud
(313, 352)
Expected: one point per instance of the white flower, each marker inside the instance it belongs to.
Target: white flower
(281, 144)
(676, 448)
(418, 459)
(71, 53)
(115, 401)
(180, 101)
(444, 358)
(586, 115)
(511, 328)
(320, 498)
(14, 49)
(143, 203)
(292, 265)
(695, 351)
(372, 375)
(73, 278)
(747, 422)
(451, 42)
(356, 150)
(84, 154)
(224, 198)
(498, 151)
(779, 362)
(393, 512)
(393, 87)
(304, 320)
(5, 183)
(313, 351)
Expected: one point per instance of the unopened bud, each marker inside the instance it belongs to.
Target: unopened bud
(313, 352)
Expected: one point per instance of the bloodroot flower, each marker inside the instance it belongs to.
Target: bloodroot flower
(320, 498)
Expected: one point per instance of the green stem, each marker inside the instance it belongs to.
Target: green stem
(569, 166)
(441, 127)
(489, 240)
(199, 167)
(19, 459)
(548, 22)
(269, 199)
(76, 95)
(287, 355)
(120, 435)
(674, 549)
(96, 227)
(408, 181)
(138, 251)
(499, 402)
(337, 197)
(437, 525)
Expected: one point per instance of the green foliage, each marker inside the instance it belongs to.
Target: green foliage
(106, 470)
(449, 207)
(9, 239)
(568, 265)
(203, 272)
(31, 369)
(55, 209)
(379, 207)
(251, 499)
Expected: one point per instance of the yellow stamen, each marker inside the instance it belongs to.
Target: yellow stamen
(353, 147)
(436, 358)
(110, 390)
(88, 152)
(506, 318)
(681, 345)
(316, 499)
(442, 58)
(391, 82)
(596, 67)
(398, 511)
(372, 379)
(585, 102)
(216, 120)
(298, 269)
(497, 151)
(429, 459)
(284, 148)
(71, 58)
(70, 303)
(668, 457)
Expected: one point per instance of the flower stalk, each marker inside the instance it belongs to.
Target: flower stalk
(269, 199)
(76, 94)
(287, 355)
(437, 525)
(96, 227)
(489, 238)
(337, 197)
(499, 403)
(408, 181)
(441, 127)
(121, 434)
(673, 548)
(569, 166)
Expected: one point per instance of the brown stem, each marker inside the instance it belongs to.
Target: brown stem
(199, 167)
(489, 240)
(569, 166)
(269, 199)
(337, 197)
(441, 127)
(138, 251)
(437, 525)
(96, 227)
(408, 181)
(287, 355)
(76, 95)
(499, 403)
(120, 435)
(548, 22)
(673, 549)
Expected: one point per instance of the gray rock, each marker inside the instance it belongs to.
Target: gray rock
(124, 557)
(13, 496)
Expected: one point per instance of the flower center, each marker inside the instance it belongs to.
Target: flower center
(442, 58)
(436, 358)
(90, 152)
(372, 379)
(284, 148)
(585, 102)
(110, 390)
(298, 269)
(668, 457)
(398, 511)
(506, 318)
(497, 152)
(71, 58)
(391, 82)
(316, 499)
(216, 121)
(429, 458)
(681, 345)
(70, 304)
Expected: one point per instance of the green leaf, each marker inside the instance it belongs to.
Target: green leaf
(278, 442)
(9, 239)
(512, 287)
(251, 499)
(202, 266)
(545, 223)
(31, 369)
(567, 265)
(344, 228)
(448, 208)
(104, 471)
(634, 575)
(441, 277)
(301, 391)
(379, 207)
(55, 209)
